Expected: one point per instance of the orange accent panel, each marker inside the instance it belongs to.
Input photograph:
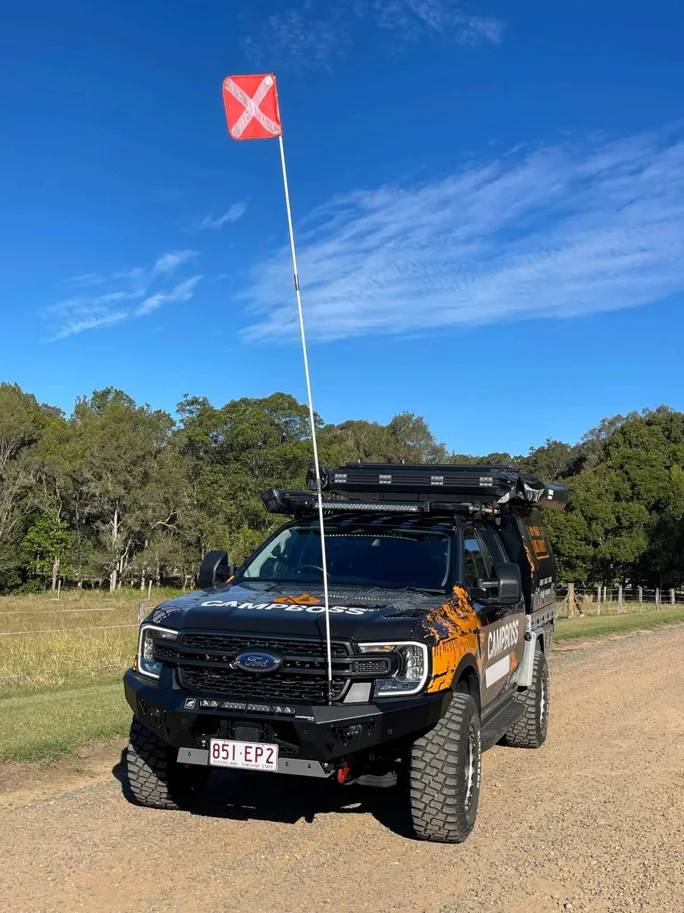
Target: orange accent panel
(454, 627)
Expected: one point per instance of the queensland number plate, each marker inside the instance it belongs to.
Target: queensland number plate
(243, 755)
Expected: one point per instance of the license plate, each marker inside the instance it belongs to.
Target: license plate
(243, 755)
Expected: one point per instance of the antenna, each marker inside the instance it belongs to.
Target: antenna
(312, 419)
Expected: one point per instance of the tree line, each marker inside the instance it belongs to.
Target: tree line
(118, 494)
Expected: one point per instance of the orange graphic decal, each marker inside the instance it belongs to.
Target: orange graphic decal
(304, 599)
(540, 548)
(453, 628)
(532, 562)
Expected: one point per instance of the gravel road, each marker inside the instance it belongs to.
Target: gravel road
(594, 821)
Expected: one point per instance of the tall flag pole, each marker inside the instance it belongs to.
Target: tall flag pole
(252, 112)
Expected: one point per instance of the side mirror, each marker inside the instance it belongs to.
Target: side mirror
(504, 589)
(215, 570)
(509, 582)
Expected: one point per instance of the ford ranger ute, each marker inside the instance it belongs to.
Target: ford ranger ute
(440, 615)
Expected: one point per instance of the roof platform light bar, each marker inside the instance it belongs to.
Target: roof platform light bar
(289, 501)
(417, 489)
(486, 484)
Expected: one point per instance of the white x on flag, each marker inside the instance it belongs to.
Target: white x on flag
(247, 119)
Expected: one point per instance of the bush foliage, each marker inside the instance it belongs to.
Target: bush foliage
(117, 494)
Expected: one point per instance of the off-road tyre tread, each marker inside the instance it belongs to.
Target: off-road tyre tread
(437, 784)
(154, 777)
(529, 731)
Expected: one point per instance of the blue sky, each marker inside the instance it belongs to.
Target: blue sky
(488, 197)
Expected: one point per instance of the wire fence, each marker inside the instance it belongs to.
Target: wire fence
(60, 611)
(67, 630)
(617, 600)
(136, 613)
(571, 601)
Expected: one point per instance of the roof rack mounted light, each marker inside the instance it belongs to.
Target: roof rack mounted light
(288, 501)
(393, 507)
(483, 483)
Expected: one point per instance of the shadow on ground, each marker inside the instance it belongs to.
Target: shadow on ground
(243, 796)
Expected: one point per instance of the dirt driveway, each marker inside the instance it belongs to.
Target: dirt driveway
(592, 822)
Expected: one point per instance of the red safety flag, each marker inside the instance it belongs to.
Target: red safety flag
(252, 106)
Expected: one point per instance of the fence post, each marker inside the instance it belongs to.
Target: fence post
(657, 597)
(598, 601)
(641, 595)
(149, 589)
(141, 611)
(672, 597)
(620, 599)
(59, 588)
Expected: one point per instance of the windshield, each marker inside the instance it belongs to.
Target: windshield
(370, 554)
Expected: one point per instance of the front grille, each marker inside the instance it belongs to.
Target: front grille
(234, 644)
(278, 687)
(372, 666)
(204, 664)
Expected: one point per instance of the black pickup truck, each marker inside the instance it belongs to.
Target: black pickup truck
(441, 610)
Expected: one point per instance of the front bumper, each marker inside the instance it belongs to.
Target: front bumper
(320, 734)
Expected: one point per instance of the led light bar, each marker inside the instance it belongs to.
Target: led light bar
(380, 506)
(288, 501)
(416, 489)
(484, 484)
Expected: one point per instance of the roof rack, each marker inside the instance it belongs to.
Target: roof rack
(418, 488)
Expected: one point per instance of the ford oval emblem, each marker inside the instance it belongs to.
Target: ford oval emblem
(258, 661)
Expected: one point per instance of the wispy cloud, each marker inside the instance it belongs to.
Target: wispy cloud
(85, 279)
(128, 293)
(561, 231)
(88, 321)
(169, 263)
(414, 19)
(316, 32)
(181, 292)
(232, 214)
(168, 194)
(300, 37)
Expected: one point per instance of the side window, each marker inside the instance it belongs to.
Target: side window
(493, 543)
(477, 562)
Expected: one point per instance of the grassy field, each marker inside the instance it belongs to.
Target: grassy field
(595, 626)
(83, 638)
(61, 665)
(44, 726)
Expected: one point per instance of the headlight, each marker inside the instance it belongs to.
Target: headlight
(412, 673)
(147, 665)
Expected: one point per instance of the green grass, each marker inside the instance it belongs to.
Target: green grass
(595, 626)
(61, 689)
(82, 639)
(44, 726)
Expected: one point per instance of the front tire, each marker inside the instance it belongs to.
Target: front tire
(531, 729)
(445, 769)
(155, 778)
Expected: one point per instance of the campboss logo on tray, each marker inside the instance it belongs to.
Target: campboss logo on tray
(504, 639)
